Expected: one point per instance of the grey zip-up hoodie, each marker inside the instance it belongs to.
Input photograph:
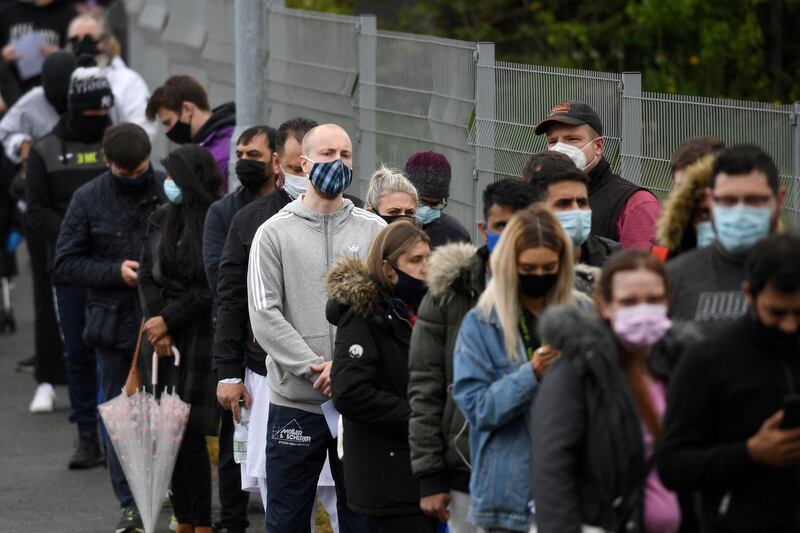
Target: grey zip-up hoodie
(290, 254)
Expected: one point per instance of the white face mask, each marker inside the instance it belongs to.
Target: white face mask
(575, 153)
(294, 185)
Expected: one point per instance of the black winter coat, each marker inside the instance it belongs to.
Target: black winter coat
(446, 229)
(588, 461)
(215, 231)
(58, 165)
(104, 226)
(180, 294)
(721, 394)
(370, 378)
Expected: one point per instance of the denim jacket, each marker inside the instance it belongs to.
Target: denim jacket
(496, 395)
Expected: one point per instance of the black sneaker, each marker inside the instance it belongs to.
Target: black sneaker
(130, 522)
(27, 365)
(88, 452)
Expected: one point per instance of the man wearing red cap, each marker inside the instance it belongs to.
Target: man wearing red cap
(621, 210)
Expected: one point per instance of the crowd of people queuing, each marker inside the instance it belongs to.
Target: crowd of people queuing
(590, 363)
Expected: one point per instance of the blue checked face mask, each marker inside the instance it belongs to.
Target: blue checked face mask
(330, 178)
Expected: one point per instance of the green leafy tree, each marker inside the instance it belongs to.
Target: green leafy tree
(732, 48)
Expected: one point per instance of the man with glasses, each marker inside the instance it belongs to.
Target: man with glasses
(430, 174)
(746, 198)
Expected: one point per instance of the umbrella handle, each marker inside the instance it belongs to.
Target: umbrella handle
(154, 374)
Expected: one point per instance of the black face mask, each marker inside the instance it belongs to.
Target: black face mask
(58, 101)
(536, 286)
(88, 129)
(252, 174)
(180, 133)
(409, 289)
(131, 184)
(774, 337)
(394, 218)
(87, 45)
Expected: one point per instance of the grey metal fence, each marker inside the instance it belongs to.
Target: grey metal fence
(398, 93)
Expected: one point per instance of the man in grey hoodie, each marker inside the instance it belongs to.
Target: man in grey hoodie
(286, 297)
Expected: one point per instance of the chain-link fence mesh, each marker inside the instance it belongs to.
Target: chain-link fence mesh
(398, 93)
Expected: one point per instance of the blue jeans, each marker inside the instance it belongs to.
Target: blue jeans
(114, 368)
(297, 442)
(80, 360)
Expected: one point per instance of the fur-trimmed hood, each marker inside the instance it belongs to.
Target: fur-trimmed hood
(570, 330)
(447, 264)
(682, 203)
(350, 284)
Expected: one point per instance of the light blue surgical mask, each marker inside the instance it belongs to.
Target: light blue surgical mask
(740, 227)
(173, 192)
(577, 223)
(492, 239)
(427, 214)
(705, 234)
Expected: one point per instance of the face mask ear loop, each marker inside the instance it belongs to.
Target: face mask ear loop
(595, 155)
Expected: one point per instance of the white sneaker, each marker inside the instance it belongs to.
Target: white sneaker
(44, 400)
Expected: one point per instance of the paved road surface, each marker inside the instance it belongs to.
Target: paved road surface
(37, 491)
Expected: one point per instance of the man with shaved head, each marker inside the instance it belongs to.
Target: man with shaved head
(289, 257)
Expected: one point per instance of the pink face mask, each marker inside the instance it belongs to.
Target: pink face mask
(642, 325)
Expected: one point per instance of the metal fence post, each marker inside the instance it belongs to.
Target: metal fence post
(793, 193)
(485, 115)
(367, 76)
(631, 132)
(249, 67)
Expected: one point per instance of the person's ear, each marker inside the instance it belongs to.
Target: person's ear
(599, 146)
(482, 231)
(276, 166)
(781, 198)
(389, 272)
(188, 108)
(306, 165)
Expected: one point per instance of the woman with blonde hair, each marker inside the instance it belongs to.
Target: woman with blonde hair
(391, 196)
(500, 361)
(374, 305)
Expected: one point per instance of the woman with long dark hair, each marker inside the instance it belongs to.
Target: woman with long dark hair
(176, 302)
(598, 414)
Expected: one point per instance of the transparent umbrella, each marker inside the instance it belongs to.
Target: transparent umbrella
(146, 434)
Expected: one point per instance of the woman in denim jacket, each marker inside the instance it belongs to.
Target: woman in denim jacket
(499, 362)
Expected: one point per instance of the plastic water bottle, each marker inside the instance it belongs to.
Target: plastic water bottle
(240, 434)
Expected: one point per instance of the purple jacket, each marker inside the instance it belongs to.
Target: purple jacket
(215, 136)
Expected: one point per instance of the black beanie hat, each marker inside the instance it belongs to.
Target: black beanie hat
(56, 73)
(88, 87)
